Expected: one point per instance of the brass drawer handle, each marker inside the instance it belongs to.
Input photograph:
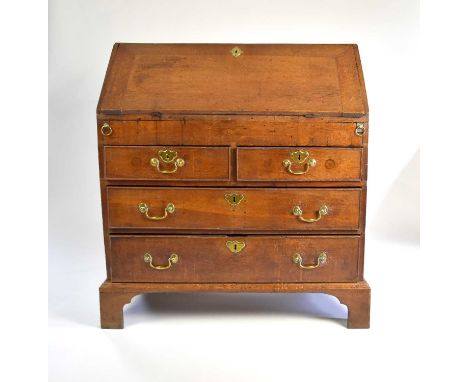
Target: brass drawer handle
(299, 156)
(321, 260)
(297, 211)
(173, 259)
(106, 129)
(144, 209)
(360, 129)
(167, 156)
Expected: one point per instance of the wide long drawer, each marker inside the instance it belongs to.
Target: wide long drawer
(232, 209)
(232, 130)
(234, 259)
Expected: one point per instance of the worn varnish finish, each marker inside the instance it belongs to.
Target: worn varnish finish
(233, 121)
(208, 259)
(232, 130)
(207, 79)
(266, 164)
(134, 162)
(207, 209)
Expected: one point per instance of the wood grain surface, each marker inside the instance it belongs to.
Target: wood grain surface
(207, 209)
(208, 259)
(266, 164)
(239, 130)
(233, 120)
(200, 163)
(207, 79)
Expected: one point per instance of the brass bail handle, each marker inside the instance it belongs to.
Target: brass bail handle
(299, 157)
(167, 156)
(173, 259)
(321, 260)
(297, 211)
(144, 209)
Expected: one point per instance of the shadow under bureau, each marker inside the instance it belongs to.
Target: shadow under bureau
(233, 168)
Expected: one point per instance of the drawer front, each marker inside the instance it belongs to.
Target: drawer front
(233, 209)
(298, 164)
(234, 259)
(232, 130)
(166, 163)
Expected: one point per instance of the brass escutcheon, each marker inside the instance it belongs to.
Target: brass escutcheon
(167, 156)
(236, 51)
(234, 199)
(235, 246)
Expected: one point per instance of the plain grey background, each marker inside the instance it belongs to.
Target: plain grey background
(225, 338)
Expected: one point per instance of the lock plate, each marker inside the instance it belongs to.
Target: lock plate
(234, 199)
(299, 156)
(236, 51)
(235, 246)
(167, 156)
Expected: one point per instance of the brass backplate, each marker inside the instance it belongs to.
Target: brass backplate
(234, 199)
(299, 156)
(167, 155)
(235, 246)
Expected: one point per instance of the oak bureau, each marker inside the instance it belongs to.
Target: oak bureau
(233, 168)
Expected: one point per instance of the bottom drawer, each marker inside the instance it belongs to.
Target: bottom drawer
(234, 259)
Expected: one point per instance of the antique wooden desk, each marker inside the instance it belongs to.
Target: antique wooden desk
(233, 168)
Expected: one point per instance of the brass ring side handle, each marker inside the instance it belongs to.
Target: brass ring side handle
(173, 259)
(299, 157)
(144, 209)
(360, 129)
(167, 156)
(106, 129)
(297, 211)
(321, 260)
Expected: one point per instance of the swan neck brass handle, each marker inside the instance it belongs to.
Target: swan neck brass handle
(297, 211)
(321, 260)
(299, 157)
(173, 259)
(144, 209)
(167, 156)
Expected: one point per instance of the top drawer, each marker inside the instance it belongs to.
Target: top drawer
(236, 131)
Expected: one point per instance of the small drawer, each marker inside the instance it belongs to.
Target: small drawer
(298, 164)
(166, 163)
(248, 209)
(234, 259)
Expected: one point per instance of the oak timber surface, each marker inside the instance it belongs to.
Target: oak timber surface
(207, 208)
(208, 79)
(208, 259)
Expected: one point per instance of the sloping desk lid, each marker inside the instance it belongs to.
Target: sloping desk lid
(322, 80)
